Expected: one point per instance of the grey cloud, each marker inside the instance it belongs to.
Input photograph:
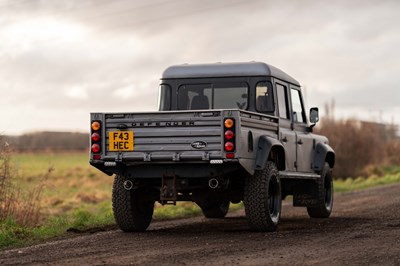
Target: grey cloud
(339, 49)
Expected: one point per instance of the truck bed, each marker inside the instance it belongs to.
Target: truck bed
(168, 136)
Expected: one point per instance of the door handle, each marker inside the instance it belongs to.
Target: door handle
(300, 142)
(285, 139)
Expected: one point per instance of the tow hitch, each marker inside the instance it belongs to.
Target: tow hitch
(168, 193)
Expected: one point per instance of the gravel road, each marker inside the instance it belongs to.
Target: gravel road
(364, 229)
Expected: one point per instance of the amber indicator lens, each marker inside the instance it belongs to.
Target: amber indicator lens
(95, 148)
(229, 146)
(228, 123)
(229, 134)
(96, 125)
(95, 136)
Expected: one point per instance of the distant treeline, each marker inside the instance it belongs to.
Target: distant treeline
(47, 141)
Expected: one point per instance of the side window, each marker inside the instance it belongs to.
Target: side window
(282, 101)
(264, 99)
(297, 107)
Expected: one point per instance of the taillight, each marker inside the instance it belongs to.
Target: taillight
(229, 134)
(229, 137)
(229, 146)
(96, 125)
(229, 123)
(96, 139)
(95, 148)
(95, 136)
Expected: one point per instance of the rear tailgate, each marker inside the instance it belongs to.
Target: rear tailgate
(162, 136)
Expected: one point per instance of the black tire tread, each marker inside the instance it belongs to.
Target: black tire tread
(255, 199)
(125, 205)
(321, 211)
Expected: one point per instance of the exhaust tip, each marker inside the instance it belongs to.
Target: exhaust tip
(128, 185)
(213, 183)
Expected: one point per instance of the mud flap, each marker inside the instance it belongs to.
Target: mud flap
(306, 195)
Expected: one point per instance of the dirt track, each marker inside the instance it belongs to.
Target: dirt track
(363, 230)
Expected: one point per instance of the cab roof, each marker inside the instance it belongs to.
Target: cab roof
(226, 70)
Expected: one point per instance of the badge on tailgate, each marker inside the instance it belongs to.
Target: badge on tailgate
(120, 140)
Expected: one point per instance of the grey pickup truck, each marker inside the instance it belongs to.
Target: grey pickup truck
(224, 132)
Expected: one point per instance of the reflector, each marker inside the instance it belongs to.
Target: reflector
(230, 155)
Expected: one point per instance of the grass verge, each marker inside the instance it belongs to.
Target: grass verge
(77, 198)
(350, 184)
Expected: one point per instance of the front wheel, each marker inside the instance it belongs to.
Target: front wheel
(262, 199)
(325, 195)
(132, 212)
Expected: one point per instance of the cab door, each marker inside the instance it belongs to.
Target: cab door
(287, 135)
(304, 139)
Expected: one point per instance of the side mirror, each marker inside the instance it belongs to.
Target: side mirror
(314, 116)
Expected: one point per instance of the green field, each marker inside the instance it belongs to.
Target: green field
(77, 196)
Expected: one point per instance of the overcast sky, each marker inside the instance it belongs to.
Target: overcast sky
(62, 59)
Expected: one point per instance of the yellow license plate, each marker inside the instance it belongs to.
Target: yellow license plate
(120, 140)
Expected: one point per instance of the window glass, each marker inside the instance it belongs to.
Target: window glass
(264, 99)
(164, 98)
(212, 96)
(230, 95)
(297, 107)
(282, 101)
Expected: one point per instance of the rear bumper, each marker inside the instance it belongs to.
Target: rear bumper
(188, 169)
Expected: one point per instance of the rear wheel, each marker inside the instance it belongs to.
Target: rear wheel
(131, 211)
(215, 209)
(325, 195)
(262, 199)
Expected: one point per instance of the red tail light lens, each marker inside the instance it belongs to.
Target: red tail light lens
(229, 134)
(229, 146)
(95, 136)
(95, 148)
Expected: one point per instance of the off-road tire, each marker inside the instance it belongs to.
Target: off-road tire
(131, 212)
(325, 195)
(262, 199)
(215, 209)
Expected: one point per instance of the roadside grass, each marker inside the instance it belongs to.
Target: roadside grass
(76, 197)
(358, 183)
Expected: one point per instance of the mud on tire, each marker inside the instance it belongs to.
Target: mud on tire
(325, 195)
(131, 212)
(262, 199)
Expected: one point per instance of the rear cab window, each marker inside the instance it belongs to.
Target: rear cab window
(213, 96)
